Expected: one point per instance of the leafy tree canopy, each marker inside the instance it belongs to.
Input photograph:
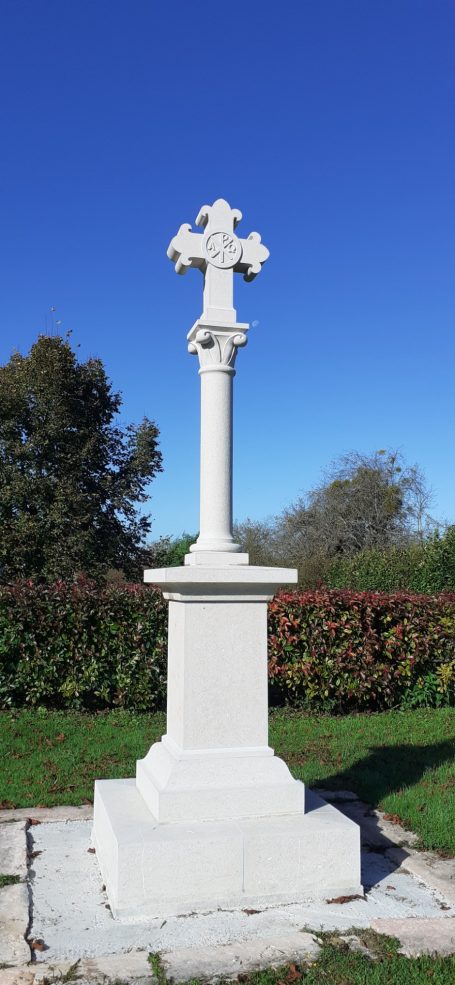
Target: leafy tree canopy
(169, 552)
(364, 502)
(71, 477)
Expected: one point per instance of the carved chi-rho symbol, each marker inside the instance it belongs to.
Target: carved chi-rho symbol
(223, 250)
(218, 253)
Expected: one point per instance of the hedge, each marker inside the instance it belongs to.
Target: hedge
(92, 648)
(83, 647)
(428, 567)
(352, 651)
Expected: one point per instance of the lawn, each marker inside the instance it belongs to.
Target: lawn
(402, 762)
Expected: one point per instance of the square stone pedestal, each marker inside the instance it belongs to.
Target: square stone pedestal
(152, 869)
(213, 817)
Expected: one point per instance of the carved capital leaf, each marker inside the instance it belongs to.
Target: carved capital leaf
(216, 348)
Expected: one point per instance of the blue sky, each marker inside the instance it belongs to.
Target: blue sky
(330, 124)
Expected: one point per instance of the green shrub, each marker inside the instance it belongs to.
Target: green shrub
(86, 647)
(343, 651)
(427, 567)
(82, 647)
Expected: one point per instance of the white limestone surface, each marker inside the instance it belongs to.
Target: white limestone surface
(215, 338)
(214, 763)
(70, 912)
(155, 869)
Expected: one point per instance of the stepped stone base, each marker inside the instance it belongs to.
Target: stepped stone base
(215, 784)
(156, 869)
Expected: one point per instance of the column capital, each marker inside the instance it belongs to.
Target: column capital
(216, 344)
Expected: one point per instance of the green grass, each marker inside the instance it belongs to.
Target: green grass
(402, 762)
(8, 880)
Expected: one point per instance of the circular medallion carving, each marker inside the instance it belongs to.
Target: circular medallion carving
(222, 249)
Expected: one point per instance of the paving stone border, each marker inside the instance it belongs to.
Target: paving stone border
(68, 813)
(14, 898)
(416, 935)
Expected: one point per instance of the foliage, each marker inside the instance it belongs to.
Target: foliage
(83, 646)
(341, 651)
(364, 501)
(339, 965)
(257, 538)
(70, 476)
(401, 761)
(169, 552)
(80, 646)
(427, 567)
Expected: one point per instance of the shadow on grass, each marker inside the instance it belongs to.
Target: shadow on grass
(385, 770)
(389, 769)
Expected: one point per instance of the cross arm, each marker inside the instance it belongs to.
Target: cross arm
(185, 249)
(254, 254)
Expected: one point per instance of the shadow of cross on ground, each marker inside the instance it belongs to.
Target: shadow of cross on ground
(390, 769)
(407, 771)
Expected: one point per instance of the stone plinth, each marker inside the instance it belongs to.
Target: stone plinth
(152, 869)
(215, 762)
(213, 815)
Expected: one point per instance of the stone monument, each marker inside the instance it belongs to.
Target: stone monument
(213, 818)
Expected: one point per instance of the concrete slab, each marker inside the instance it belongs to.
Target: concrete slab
(18, 976)
(435, 872)
(124, 968)
(14, 918)
(336, 796)
(410, 895)
(131, 967)
(377, 830)
(70, 906)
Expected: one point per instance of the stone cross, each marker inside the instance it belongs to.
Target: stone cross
(213, 818)
(218, 252)
(215, 338)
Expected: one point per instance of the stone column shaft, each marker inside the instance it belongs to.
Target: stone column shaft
(216, 345)
(216, 459)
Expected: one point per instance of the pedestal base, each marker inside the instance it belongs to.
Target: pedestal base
(152, 869)
(214, 784)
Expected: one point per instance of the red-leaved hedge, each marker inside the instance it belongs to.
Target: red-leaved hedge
(347, 651)
(85, 647)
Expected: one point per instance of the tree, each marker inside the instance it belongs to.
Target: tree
(364, 501)
(71, 476)
(256, 537)
(169, 552)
